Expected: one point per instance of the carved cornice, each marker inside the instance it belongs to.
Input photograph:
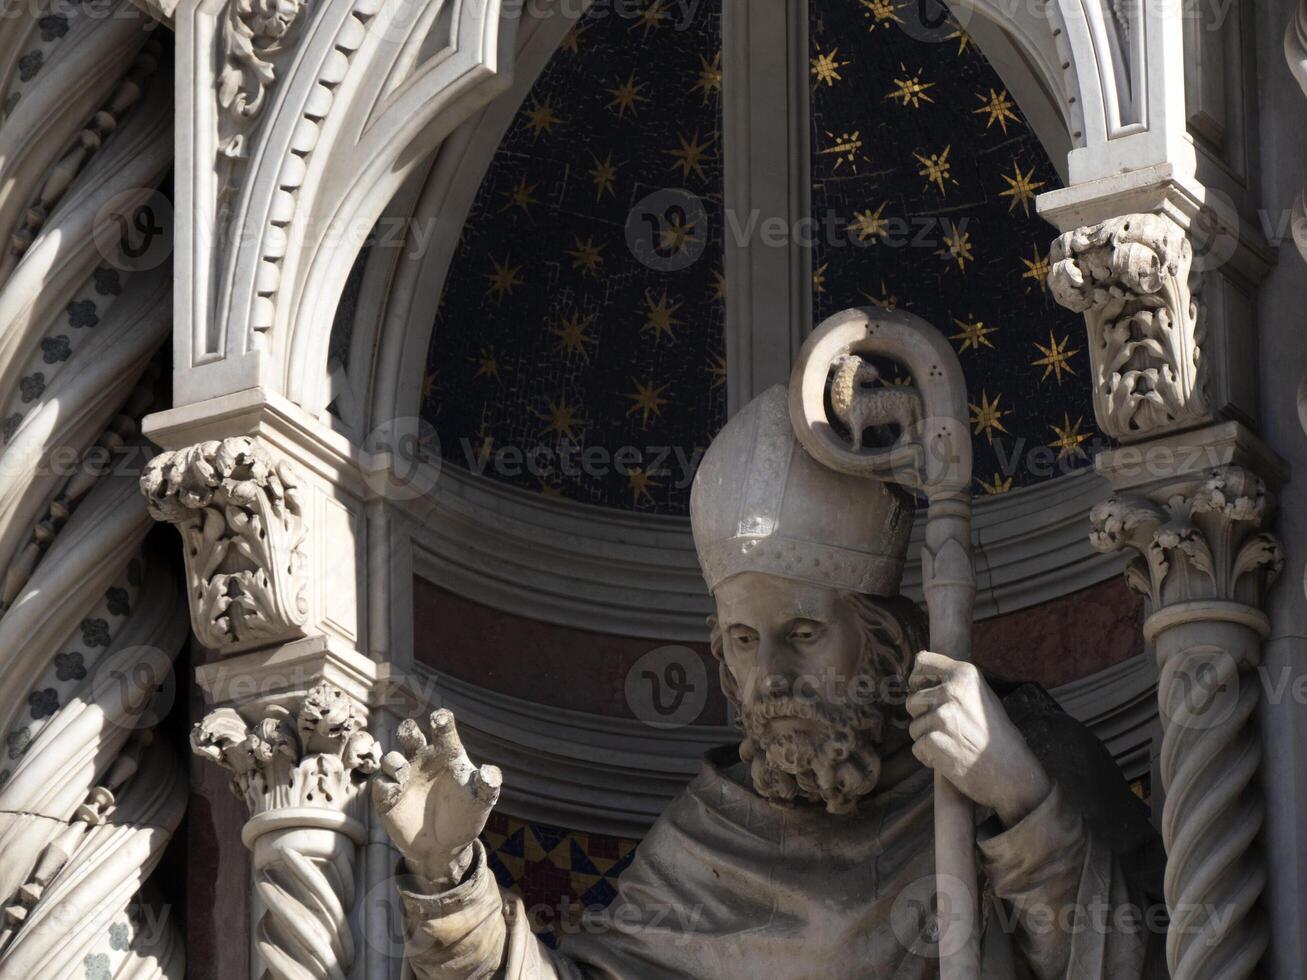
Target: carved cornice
(1130, 277)
(1200, 539)
(315, 757)
(239, 514)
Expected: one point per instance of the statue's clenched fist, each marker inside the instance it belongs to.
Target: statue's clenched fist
(433, 801)
(961, 730)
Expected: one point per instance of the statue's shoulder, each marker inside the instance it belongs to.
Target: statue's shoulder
(1084, 769)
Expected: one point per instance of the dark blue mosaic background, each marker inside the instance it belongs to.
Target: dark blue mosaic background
(562, 364)
(550, 331)
(928, 173)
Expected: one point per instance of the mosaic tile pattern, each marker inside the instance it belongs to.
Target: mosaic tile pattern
(558, 873)
(553, 341)
(926, 173)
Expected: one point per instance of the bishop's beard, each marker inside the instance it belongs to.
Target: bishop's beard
(836, 762)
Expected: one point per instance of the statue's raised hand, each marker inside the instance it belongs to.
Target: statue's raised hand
(432, 801)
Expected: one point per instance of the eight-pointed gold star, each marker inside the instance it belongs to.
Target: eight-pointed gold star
(587, 255)
(604, 176)
(520, 197)
(542, 118)
(870, 224)
(710, 77)
(826, 68)
(573, 335)
(561, 419)
(1056, 357)
(676, 235)
(647, 400)
(487, 364)
(910, 90)
(1069, 437)
(935, 167)
(627, 96)
(652, 16)
(690, 156)
(957, 246)
(973, 334)
(845, 149)
(503, 280)
(659, 317)
(999, 107)
(880, 13)
(987, 417)
(1037, 269)
(1021, 188)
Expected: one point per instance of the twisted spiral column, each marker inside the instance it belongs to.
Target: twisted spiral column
(90, 617)
(1204, 565)
(304, 883)
(300, 770)
(1213, 811)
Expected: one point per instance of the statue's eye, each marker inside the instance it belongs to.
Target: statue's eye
(805, 631)
(744, 638)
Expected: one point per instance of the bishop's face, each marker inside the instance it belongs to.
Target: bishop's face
(784, 637)
(796, 653)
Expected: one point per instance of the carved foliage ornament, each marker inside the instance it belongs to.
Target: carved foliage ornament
(317, 757)
(1130, 277)
(1209, 531)
(239, 514)
(253, 34)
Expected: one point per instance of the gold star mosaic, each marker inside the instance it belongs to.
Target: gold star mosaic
(936, 202)
(560, 363)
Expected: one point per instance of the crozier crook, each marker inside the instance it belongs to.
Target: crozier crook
(932, 455)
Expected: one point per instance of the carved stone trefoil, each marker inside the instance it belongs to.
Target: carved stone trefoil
(240, 517)
(1130, 277)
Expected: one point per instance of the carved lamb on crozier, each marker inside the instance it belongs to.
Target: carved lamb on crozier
(859, 408)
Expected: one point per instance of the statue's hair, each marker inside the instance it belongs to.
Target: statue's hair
(893, 632)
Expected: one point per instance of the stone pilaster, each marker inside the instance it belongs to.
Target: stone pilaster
(1192, 512)
(301, 771)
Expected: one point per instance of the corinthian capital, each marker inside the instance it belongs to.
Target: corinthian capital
(315, 756)
(1197, 539)
(1130, 277)
(242, 526)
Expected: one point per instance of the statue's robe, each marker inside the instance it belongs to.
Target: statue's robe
(727, 885)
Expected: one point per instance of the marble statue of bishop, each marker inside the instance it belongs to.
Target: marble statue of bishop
(808, 851)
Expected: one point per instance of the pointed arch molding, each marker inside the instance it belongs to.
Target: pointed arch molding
(293, 134)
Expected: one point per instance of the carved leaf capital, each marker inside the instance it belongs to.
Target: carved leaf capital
(319, 755)
(240, 517)
(1211, 529)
